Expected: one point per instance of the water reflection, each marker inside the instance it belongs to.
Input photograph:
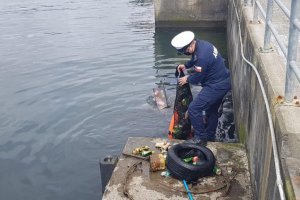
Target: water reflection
(75, 77)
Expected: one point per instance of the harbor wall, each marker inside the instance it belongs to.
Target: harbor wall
(196, 13)
(250, 110)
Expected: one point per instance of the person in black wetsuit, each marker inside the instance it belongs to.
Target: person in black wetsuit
(209, 71)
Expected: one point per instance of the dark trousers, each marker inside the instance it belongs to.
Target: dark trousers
(209, 99)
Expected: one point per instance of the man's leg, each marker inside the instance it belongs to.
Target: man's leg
(207, 100)
(199, 104)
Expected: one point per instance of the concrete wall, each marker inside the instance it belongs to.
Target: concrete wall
(199, 13)
(249, 107)
(250, 112)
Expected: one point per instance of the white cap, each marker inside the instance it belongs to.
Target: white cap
(182, 39)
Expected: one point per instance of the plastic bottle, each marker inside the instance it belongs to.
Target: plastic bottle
(217, 170)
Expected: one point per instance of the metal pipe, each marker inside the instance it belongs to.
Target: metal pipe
(296, 70)
(261, 10)
(283, 8)
(267, 40)
(258, 7)
(271, 126)
(292, 51)
(255, 12)
(277, 37)
(297, 24)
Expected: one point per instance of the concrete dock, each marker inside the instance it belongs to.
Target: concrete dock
(132, 178)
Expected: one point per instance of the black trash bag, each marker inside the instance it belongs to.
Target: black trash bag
(187, 171)
(180, 127)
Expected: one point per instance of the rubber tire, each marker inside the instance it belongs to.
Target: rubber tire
(185, 171)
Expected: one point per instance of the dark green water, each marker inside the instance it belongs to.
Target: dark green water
(75, 76)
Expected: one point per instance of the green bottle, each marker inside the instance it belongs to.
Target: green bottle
(217, 170)
(146, 153)
(188, 159)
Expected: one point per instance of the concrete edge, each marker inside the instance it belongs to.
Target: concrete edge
(284, 116)
(195, 24)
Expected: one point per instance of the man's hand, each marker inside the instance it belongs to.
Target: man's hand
(180, 68)
(183, 80)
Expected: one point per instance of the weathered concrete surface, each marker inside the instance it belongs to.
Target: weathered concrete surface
(196, 13)
(146, 185)
(250, 111)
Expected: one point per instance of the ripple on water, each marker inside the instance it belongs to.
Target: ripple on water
(75, 79)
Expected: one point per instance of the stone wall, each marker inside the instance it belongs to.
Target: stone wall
(196, 13)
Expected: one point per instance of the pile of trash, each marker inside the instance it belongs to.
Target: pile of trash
(181, 166)
(183, 161)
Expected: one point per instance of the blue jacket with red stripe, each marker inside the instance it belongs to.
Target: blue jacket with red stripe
(210, 69)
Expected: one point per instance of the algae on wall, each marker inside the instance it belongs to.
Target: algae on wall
(242, 134)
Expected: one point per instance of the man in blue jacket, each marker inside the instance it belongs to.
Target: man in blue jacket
(209, 71)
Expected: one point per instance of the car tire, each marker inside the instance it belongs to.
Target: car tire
(186, 171)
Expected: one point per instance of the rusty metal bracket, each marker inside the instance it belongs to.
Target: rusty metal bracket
(130, 171)
(263, 50)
